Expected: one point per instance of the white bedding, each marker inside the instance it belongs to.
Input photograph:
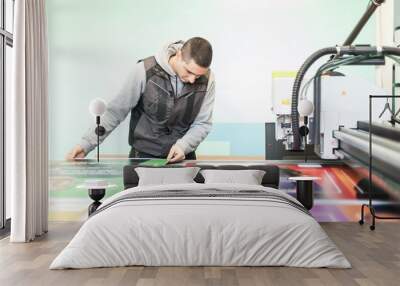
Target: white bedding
(185, 231)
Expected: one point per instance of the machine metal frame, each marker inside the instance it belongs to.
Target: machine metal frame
(370, 204)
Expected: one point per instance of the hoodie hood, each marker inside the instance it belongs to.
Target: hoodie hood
(162, 57)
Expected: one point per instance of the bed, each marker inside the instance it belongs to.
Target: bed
(201, 224)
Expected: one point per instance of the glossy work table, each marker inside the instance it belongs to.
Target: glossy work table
(337, 195)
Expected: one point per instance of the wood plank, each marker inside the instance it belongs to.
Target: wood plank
(375, 257)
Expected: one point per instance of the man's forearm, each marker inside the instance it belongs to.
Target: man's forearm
(110, 120)
(195, 135)
(118, 108)
(202, 125)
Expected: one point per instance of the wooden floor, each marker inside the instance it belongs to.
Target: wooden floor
(375, 257)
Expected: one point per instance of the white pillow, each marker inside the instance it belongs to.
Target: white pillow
(165, 176)
(248, 177)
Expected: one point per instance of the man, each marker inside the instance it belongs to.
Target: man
(170, 97)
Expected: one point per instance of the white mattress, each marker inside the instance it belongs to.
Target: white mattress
(192, 231)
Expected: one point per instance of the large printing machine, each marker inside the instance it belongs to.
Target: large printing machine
(338, 127)
(354, 146)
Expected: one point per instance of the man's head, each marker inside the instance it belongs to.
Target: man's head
(193, 59)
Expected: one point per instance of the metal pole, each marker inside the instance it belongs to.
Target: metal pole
(370, 206)
(361, 23)
(98, 137)
(98, 143)
(3, 204)
(370, 152)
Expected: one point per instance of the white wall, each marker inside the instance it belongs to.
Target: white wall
(397, 13)
(384, 37)
(94, 43)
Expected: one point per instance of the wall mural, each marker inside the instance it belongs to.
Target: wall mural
(338, 195)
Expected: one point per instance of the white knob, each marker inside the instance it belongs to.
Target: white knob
(305, 107)
(97, 107)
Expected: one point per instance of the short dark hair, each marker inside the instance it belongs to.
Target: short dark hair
(199, 50)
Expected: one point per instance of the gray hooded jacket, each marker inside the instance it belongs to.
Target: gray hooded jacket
(121, 105)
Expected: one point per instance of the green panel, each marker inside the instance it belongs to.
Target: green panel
(245, 139)
(210, 148)
(154, 163)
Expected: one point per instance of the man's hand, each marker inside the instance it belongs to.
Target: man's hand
(75, 153)
(176, 154)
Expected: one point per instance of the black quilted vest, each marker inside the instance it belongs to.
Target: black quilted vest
(160, 118)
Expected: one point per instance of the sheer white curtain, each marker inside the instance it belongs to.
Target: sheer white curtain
(26, 129)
